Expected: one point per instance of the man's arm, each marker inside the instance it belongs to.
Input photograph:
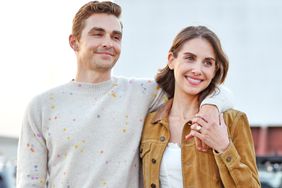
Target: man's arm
(32, 152)
(210, 109)
(223, 99)
(158, 98)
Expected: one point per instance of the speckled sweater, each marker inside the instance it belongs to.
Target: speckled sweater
(83, 135)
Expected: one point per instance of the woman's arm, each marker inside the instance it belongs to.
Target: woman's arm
(237, 164)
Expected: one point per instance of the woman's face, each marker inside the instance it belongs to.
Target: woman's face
(194, 67)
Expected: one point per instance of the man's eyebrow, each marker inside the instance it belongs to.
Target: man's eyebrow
(115, 32)
(96, 29)
(99, 29)
(189, 53)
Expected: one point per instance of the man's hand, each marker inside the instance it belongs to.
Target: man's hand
(208, 115)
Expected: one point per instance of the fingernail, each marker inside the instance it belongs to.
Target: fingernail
(189, 122)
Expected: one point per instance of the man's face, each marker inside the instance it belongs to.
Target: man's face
(99, 46)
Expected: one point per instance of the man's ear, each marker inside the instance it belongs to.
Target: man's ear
(73, 43)
(170, 59)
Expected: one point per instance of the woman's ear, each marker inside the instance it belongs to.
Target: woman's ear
(170, 59)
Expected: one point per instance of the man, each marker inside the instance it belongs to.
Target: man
(86, 133)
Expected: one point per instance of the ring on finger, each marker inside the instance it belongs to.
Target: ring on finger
(198, 128)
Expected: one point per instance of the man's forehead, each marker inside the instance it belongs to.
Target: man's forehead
(109, 23)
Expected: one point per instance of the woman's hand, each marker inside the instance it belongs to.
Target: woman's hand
(212, 134)
(209, 114)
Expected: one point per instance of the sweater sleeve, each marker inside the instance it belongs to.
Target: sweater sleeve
(237, 165)
(222, 99)
(158, 98)
(32, 151)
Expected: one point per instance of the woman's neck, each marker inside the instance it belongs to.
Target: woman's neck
(184, 106)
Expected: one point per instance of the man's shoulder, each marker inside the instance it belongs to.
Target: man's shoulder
(48, 93)
(133, 81)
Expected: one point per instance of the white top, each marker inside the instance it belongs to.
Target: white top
(171, 169)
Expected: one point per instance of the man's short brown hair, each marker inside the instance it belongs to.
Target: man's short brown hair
(93, 7)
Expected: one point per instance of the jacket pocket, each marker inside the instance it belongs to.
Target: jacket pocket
(208, 166)
(145, 149)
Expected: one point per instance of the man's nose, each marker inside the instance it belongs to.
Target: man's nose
(107, 42)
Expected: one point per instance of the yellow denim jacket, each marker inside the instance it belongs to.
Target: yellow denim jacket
(236, 167)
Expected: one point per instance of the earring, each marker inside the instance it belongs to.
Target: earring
(169, 67)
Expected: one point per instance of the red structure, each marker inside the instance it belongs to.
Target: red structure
(267, 140)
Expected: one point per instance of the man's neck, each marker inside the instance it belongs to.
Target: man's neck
(93, 77)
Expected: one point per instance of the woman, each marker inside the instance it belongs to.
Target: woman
(196, 66)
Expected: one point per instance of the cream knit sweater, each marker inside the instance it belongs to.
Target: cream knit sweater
(83, 135)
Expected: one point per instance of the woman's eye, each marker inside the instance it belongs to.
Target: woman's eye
(207, 63)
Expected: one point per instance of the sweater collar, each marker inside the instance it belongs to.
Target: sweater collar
(93, 88)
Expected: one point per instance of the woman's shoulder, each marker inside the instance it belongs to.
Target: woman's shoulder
(235, 119)
(150, 118)
(233, 113)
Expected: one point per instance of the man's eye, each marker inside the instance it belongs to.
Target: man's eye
(117, 38)
(97, 34)
(190, 58)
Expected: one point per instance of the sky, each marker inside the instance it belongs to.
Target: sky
(35, 54)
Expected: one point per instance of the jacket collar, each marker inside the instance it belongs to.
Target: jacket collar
(162, 113)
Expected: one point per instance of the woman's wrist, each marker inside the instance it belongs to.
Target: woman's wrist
(223, 148)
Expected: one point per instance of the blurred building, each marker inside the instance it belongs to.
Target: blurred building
(8, 155)
(268, 146)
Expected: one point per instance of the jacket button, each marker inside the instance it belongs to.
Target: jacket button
(153, 185)
(162, 138)
(154, 161)
(228, 159)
